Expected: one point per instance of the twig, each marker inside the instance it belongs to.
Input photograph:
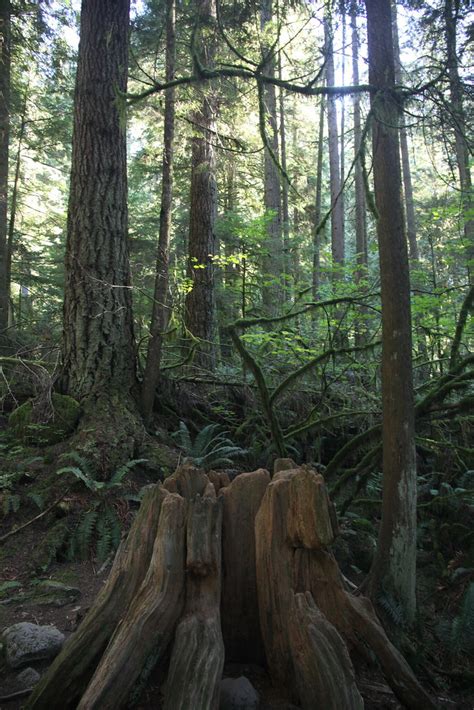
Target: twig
(37, 517)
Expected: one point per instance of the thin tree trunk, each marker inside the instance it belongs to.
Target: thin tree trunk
(394, 567)
(228, 307)
(337, 216)
(200, 307)
(160, 313)
(272, 265)
(408, 192)
(5, 10)
(407, 182)
(285, 212)
(343, 112)
(451, 9)
(98, 353)
(360, 206)
(317, 230)
(14, 198)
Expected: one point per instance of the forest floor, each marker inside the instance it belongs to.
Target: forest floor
(47, 591)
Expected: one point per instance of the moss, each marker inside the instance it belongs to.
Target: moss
(66, 416)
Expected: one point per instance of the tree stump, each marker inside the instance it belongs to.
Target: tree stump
(255, 552)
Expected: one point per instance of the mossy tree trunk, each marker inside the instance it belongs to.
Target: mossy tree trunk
(98, 345)
(255, 551)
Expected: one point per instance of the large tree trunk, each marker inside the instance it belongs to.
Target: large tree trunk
(5, 11)
(160, 311)
(98, 337)
(200, 309)
(394, 566)
(98, 346)
(282, 598)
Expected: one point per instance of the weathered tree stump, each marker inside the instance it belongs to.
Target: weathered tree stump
(323, 670)
(239, 610)
(255, 552)
(294, 528)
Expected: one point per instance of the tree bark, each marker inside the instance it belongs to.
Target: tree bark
(240, 618)
(272, 263)
(451, 10)
(324, 673)
(294, 529)
(198, 652)
(200, 305)
(14, 196)
(67, 678)
(150, 620)
(160, 311)
(360, 207)
(394, 567)
(362, 258)
(5, 11)
(317, 229)
(407, 182)
(285, 211)
(337, 214)
(98, 355)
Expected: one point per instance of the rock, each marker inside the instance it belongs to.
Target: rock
(27, 643)
(28, 678)
(238, 694)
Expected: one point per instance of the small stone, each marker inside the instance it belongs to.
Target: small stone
(28, 678)
(26, 643)
(238, 694)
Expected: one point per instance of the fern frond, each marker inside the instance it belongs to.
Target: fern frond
(104, 538)
(91, 484)
(81, 462)
(204, 439)
(393, 609)
(85, 531)
(183, 437)
(121, 472)
(114, 526)
(11, 503)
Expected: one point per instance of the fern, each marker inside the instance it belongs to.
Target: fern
(115, 526)
(85, 531)
(120, 474)
(91, 484)
(81, 462)
(57, 537)
(11, 503)
(461, 638)
(393, 609)
(211, 447)
(104, 539)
